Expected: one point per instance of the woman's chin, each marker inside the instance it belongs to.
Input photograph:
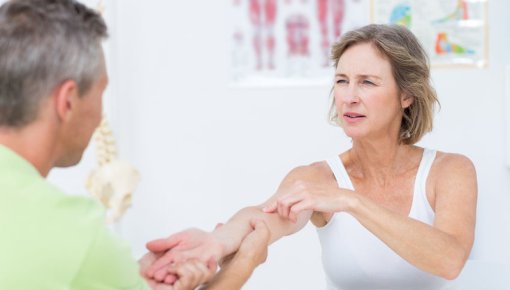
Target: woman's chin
(354, 134)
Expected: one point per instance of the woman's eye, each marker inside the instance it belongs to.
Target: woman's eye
(341, 81)
(367, 82)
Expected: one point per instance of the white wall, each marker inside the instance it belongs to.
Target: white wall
(205, 150)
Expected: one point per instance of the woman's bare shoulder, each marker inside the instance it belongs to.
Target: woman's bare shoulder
(453, 165)
(449, 161)
(314, 171)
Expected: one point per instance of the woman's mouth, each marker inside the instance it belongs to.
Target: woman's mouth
(351, 117)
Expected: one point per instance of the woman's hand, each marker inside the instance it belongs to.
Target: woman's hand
(191, 244)
(317, 196)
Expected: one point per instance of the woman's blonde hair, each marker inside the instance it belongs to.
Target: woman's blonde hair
(411, 70)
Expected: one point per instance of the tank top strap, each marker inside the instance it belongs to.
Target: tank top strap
(421, 208)
(340, 173)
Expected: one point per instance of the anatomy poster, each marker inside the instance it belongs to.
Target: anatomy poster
(453, 32)
(288, 42)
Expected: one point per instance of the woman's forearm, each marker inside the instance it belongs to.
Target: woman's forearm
(233, 232)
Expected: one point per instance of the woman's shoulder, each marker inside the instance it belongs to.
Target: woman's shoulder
(447, 165)
(448, 160)
(315, 170)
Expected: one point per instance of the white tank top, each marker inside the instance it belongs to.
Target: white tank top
(355, 259)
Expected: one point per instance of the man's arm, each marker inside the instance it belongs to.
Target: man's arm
(237, 270)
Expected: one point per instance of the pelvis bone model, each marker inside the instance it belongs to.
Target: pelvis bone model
(113, 181)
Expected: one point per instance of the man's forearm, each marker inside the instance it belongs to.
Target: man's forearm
(233, 232)
(233, 276)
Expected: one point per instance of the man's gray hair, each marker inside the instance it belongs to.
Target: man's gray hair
(42, 44)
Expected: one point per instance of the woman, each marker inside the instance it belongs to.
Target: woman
(390, 215)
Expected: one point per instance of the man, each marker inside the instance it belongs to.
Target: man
(52, 78)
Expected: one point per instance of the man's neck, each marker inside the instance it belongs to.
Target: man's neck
(34, 142)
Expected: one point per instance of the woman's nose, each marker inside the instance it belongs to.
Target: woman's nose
(350, 94)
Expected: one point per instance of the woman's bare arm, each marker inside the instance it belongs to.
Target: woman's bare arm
(201, 245)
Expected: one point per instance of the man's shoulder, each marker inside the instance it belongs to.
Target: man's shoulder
(50, 229)
(48, 204)
(104, 258)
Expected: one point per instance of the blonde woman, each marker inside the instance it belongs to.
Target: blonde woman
(389, 214)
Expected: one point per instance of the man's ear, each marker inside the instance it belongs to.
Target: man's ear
(65, 95)
(406, 100)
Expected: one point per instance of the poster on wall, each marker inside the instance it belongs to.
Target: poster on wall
(288, 42)
(453, 32)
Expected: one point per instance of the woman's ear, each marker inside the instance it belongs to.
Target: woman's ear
(406, 100)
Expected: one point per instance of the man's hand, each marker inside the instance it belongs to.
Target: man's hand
(192, 273)
(191, 244)
(184, 276)
(145, 262)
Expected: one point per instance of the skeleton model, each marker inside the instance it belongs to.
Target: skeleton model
(113, 181)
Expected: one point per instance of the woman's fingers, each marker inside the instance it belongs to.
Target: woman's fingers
(283, 206)
(298, 207)
(270, 208)
(288, 202)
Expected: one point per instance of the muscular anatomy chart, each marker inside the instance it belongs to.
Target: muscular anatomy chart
(263, 17)
(288, 42)
(330, 15)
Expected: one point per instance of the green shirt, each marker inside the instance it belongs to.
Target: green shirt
(53, 241)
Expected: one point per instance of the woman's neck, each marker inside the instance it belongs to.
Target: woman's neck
(380, 160)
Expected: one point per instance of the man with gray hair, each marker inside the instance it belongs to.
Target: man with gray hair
(52, 78)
